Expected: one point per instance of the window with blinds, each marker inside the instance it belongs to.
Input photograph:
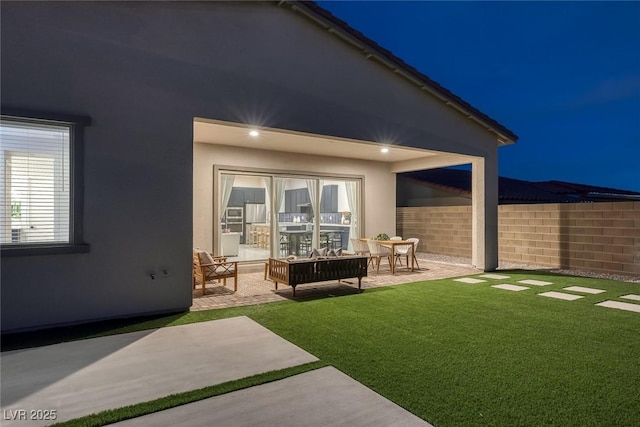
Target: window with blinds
(35, 177)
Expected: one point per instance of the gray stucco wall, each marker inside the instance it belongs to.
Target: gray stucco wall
(142, 71)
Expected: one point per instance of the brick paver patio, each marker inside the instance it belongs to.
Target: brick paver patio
(253, 289)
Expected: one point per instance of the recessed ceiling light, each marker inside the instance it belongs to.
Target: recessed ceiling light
(384, 150)
(254, 133)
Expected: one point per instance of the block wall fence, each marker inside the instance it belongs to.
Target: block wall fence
(602, 237)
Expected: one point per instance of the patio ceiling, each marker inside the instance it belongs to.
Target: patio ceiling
(403, 159)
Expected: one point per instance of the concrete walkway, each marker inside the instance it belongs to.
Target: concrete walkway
(324, 397)
(83, 377)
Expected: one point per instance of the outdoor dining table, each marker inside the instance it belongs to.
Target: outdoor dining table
(393, 244)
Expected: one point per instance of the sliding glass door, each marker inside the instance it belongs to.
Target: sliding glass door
(279, 215)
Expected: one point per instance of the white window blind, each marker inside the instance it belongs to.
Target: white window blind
(35, 202)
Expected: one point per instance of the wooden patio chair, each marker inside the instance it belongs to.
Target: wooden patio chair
(207, 268)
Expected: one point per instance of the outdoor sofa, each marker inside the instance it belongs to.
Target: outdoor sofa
(294, 272)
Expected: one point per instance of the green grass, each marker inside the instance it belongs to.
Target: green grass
(461, 354)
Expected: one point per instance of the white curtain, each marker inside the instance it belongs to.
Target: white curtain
(352, 199)
(226, 186)
(313, 195)
(278, 196)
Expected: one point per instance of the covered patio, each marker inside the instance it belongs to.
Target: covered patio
(274, 160)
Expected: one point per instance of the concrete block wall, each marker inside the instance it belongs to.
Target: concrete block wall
(444, 230)
(602, 237)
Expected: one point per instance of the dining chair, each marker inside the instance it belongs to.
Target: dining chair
(378, 252)
(404, 251)
(395, 251)
(305, 244)
(361, 248)
(285, 247)
(336, 240)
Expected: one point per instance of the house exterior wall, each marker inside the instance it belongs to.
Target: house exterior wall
(378, 186)
(603, 237)
(142, 71)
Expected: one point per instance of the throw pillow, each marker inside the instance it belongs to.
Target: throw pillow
(205, 258)
(315, 253)
(335, 253)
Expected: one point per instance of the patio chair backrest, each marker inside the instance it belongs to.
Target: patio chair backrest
(404, 249)
(415, 241)
(359, 246)
(376, 249)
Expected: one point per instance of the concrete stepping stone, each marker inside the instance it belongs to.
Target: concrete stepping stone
(632, 297)
(534, 282)
(495, 276)
(560, 295)
(620, 305)
(507, 287)
(469, 280)
(584, 290)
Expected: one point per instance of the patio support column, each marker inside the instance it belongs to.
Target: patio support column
(484, 207)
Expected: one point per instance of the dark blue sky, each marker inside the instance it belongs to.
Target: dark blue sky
(564, 76)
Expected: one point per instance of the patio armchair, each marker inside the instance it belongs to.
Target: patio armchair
(378, 251)
(207, 268)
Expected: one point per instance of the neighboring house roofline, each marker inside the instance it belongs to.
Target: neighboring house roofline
(459, 191)
(511, 190)
(590, 189)
(371, 49)
(614, 195)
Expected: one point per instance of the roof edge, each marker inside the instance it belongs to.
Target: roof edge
(370, 49)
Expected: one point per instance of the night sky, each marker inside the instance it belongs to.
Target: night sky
(564, 76)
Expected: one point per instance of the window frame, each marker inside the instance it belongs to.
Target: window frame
(76, 124)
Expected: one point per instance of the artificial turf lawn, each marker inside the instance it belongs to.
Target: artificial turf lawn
(462, 354)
